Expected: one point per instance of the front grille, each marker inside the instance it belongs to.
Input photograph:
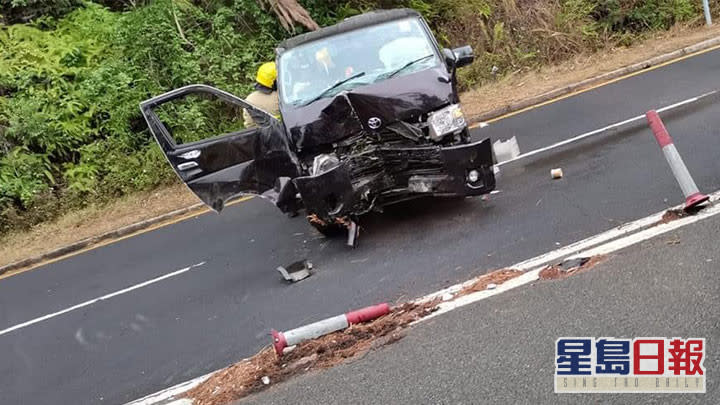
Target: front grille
(389, 156)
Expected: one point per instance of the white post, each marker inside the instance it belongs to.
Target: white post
(706, 7)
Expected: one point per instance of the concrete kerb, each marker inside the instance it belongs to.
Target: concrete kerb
(510, 108)
(565, 90)
(82, 244)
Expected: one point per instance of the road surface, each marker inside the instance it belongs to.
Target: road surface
(502, 350)
(150, 337)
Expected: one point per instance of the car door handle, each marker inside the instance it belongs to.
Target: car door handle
(187, 165)
(193, 154)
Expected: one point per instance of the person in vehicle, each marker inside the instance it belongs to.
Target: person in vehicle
(265, 95)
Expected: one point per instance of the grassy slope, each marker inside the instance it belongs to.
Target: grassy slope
(96, 219)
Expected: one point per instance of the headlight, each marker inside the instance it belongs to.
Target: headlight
(445, 121)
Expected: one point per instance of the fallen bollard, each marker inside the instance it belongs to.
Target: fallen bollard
(693, 196)
(281, 340)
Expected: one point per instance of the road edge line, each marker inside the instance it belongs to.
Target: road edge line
(606, 248)
(93, 240)
(618, 238)
(593, 82)
(167, 395)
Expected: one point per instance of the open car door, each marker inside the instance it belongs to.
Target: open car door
(223, 166)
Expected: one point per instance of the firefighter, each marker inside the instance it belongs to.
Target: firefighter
(265, 96)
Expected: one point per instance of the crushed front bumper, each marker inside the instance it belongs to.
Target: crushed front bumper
(405, 173)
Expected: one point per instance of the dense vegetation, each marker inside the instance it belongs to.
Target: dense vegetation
(72, 73)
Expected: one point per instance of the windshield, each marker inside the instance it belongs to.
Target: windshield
(330, 65)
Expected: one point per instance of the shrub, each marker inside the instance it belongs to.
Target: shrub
(72, 74)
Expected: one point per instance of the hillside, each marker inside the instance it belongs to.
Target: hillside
(72, 74)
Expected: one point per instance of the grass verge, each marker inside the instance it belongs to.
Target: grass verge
(98, 219)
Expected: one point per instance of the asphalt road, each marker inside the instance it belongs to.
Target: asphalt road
(136, 343)
(502, 350)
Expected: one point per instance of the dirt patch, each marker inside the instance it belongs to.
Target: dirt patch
(246, 377)
(672, 215)
(521, 85)
(93, 221)
(496, 277)
(555, 272)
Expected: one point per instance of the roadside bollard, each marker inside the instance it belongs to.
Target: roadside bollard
(281, 340)
(693, 196)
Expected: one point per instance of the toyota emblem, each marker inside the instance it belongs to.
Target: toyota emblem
(374, 123)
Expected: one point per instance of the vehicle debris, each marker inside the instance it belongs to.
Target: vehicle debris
(556, 173)
(570, 267)
(506, 150)
(245, 377)
(384, 125)
(296, 271)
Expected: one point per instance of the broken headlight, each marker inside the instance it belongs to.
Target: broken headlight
(445, 121)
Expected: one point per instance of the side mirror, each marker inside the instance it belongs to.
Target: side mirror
(463, 56)
(449, 56)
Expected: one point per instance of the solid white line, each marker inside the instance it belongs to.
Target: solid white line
(168, 394)
(574, 248)
(650, 232)
(601, 130)
(93, 301)
(620, 237)
(534, 274)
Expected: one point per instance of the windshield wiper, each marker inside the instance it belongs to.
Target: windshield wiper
(333, 87)
(407, 65)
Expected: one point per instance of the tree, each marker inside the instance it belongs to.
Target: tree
(290, 12)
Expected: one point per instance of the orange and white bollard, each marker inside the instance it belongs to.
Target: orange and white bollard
(281, 340)
(693, 196)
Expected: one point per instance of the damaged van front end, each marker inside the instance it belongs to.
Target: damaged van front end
(370, 117)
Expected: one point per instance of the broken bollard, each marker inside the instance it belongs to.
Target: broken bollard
(281, 340)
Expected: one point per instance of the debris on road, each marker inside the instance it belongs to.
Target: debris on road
(570, 267)
(556, 173)
(296, 271)
(495, 278)
(672, 215)
(246, 377)
(506, 150)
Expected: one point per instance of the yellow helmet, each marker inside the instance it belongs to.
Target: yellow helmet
(267, 74)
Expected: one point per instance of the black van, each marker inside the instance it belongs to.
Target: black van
(370, 117)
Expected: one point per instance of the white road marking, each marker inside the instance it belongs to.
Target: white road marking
(607, 242)
(601, 130)
(167, 395)
(98, 299)
(535, 265)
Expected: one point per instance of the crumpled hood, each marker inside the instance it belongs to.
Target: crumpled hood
(403, 98)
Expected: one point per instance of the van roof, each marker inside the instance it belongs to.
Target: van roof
(348, 24)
